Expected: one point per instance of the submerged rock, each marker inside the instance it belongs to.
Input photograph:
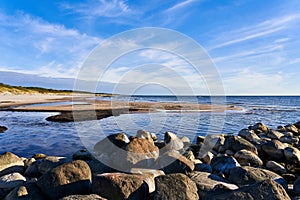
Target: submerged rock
(3, 129)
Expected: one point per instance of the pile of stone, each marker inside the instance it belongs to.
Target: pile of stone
(257, 163)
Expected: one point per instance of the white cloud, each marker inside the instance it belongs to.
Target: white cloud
(181, 5)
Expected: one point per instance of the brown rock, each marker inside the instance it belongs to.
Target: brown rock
(29, 191)
(10, 163)
(237, 143)
(274, 149)
(173, 142)
(175, 186)
(292, 155)
(83, 197)
(245, 157)
(110, 144)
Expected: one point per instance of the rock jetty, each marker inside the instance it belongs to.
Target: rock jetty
(256, 163)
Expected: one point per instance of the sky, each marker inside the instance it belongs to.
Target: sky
(254, 45)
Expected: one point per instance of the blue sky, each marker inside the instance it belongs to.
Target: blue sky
(254, 44)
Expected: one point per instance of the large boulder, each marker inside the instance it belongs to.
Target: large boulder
(120, 186)
(223, 164)
(260, 128)
(292, 155)
(292, 128)
(174, 162)
(174, 186)
(67, 179)
(111, 143)
(274, 134)
(275, 167)
(10, 163)
(242, 176)
(274, 149)
(245, 157)
(145, 135)
(249, 135)
(206, 182)
(28, 191)
(267, 189)
(173, 142)
(237, 143)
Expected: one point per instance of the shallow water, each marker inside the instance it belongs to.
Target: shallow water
(30, 133)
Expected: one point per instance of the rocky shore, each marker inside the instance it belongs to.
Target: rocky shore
(257, 163)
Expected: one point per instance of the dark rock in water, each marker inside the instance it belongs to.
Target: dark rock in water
(242, 176)
(267, 189)
(173, 142)
(3, 129)
(174, 162)
(237, 143)
(83, 197)
(297, 124)
(39, 156)
(82, 154)
(245, 157)
(223, 164)
(29, 191)
(174, 186)
(67, 179)
(201, 167)
(110, 144)
(10, 163)
(119, 186)
(274, 149)
(292, 155)
(206, 182)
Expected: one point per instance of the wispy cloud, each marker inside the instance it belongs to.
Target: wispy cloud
(181, 5)
(262, 29)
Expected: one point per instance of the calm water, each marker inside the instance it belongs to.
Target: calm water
(30, 133)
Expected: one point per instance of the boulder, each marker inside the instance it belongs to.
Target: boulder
(292, 155)
(82, 154)
(274, 149)
(10, 163)
(211, 142)
(292, 128)
(206, 182)
(237, 143)
(98, 167)
(274, 134)
(111, 143)
(275, 167)
(267, 189)
(28, 191)
(245, 157)
(145, 135)
(293, 140)
(223, 164)
(9, 182)
(242, 176)
(207, 157)
(173, 142)
(3, 129)
(83, 197)
(49, 163)
(189, 155)
(260, 127)
(249, 135)
(174, 186)
(67, 179)
(201, 167)
(297, 124)
(174, 162)
(120, 186)
(39, 156)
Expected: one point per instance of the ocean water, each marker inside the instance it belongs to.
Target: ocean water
(29, 133)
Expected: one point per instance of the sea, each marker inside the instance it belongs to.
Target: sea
(29, 133)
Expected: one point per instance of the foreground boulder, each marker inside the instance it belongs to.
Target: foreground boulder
(27, 192)
(83, 197)
(242, 176)
(67, 179)
(206, 182)
(267, 189)
(9, 182)
(174, 186)
(120, 186)
(10, 163)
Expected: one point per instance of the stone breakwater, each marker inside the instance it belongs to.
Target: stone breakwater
(258, 163)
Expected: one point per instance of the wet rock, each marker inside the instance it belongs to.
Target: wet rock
(206, 182)
(174, 162)
(82, 154)
(274, 134)
(292, 155)
(119, 186)
(249, 135)
(175, 186)
(67, 179)
(111, 143)
(275, 167)
(242, 176)
(267, 189)
(29, 191)
(237, 143)
(3, 129)
(203, 168)
(260, 127)
(245, 157)
(293, 140)
(274, 149)
(223, 164)
(83, 197)
(39, 156)
(173, 142)
(10, 163)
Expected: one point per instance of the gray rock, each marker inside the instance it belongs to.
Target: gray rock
(173, 142)
(111, 143)
(223, 165)
(67, 179)
(245, 157)
(242, 176)
(211, 142)
(145, 135)
(267, 189)
(275, 167)
(249, 135)
(274, 149)
(174, 162)
(292, 155)
(10, 163)
(206, 182)
(274, 134)
(13, 180)
(237, 143)
(119, 186)
(260, 127)
(175, 186)
(83, 197)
